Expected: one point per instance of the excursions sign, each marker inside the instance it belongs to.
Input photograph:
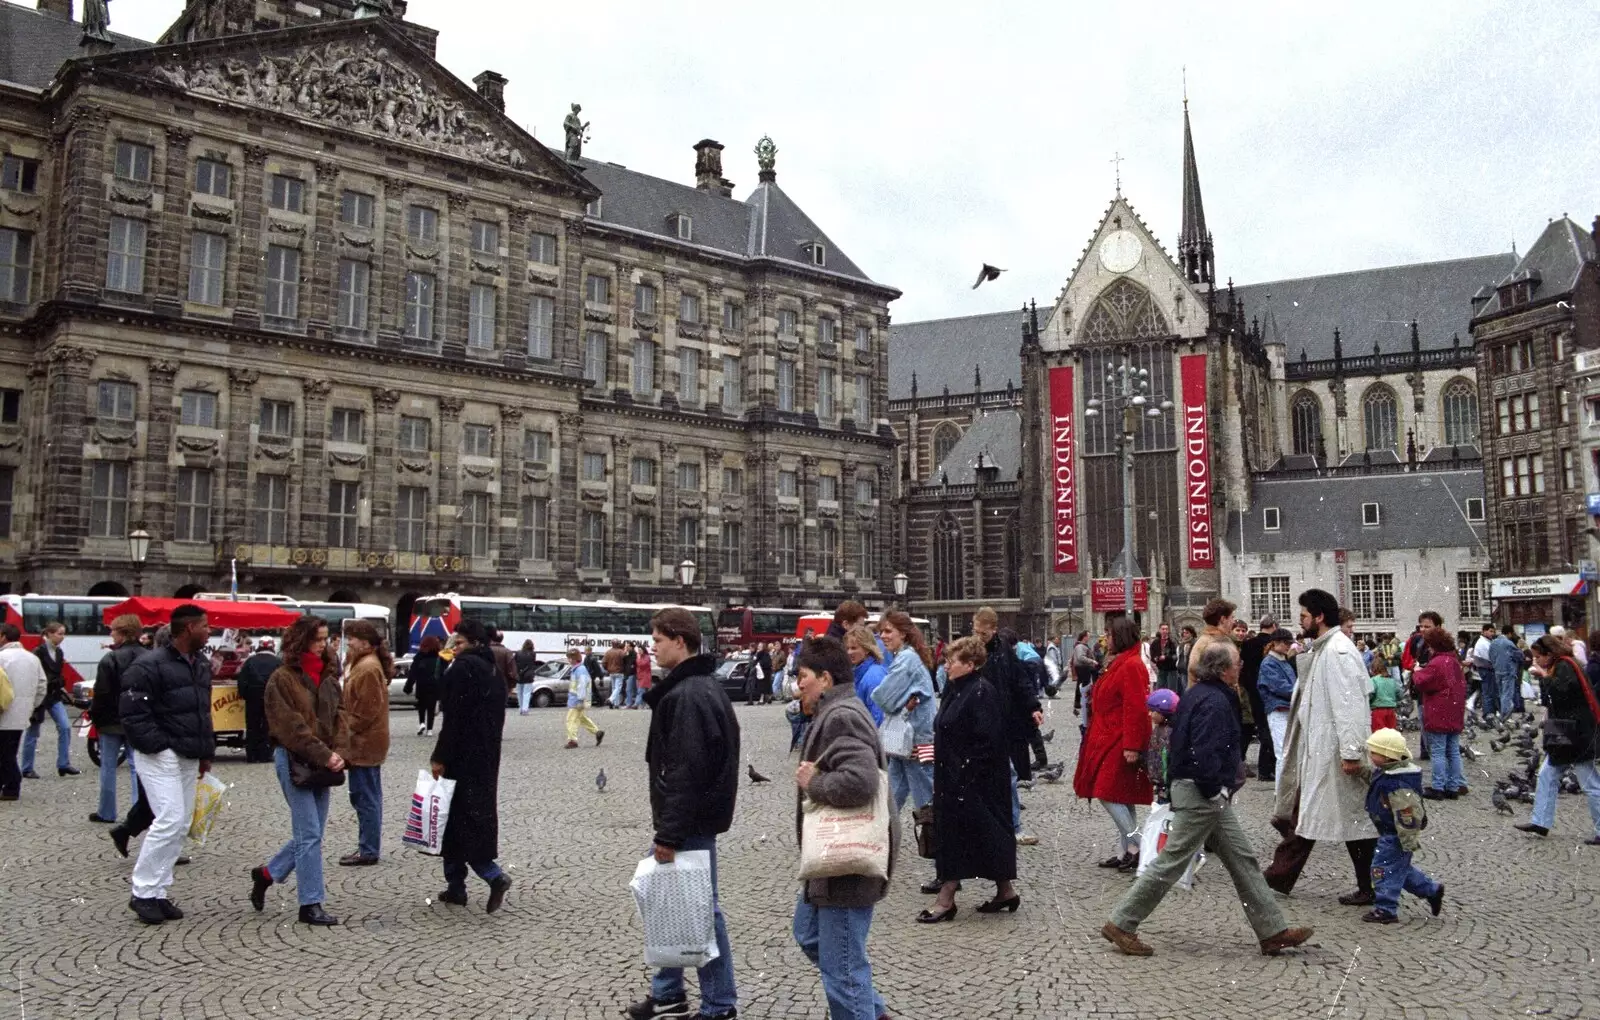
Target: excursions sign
(1199, 533)
(1063, 473)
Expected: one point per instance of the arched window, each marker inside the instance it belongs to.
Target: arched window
(1380, 414)
(1305, 415)
(1013, 558)
(945, 438)
(948, 579)
(1124, 311)
(1460, 401)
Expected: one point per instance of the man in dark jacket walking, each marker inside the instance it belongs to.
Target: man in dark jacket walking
(166, 713)
(105, 711)
(252, 680)
(692, 755)
(1251, 653)
(1019, 705)
(1204, 768)
(1164, 653)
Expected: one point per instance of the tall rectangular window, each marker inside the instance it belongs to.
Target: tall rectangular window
(208, 259)
(1269, 596)
(1470, 600)
(594, 357)
(789, 549)
(866, 553)
(10, 406)
(863, 339)
(477, 440)
(125, 257)
(1534, 422)
(825, 378)
(732, 547)
(733, 481)
(541, 327)
(732, 382)
(688, 376)
(349, 425)
(16, 265)
(642, 471)
(1372, 596)
(641, 542)
(197, 408)
(19, 174)
(355, 278)
(411, 518)
(732, 315)
(192, 508)
(415, 434)
(828, 549)
(688, 476)
(542, 248)
(133, 162)
(344, 501)
(486, 237)
(115, 400)
(865, 492)
(644, 368)
(592, 540)
(689, 539)
(272, 510)
(788, 322)
(789, 484)
(534, 528)
(108, 499)
(481, 316)
(597, 289)
(8, 483)
(475, 523)
(212, 177)
(422, 223)
(827, 329)
(282, 298)
(863, 413)
(786, 394)
(1569, 470)
(644, 298)
(827, 489)
(277, 418)
(536, 446)
(689, 308)
(355, 209)
(287, 193)
(419, 306)
(594, 466)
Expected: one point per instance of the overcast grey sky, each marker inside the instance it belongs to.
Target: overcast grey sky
(926, 138)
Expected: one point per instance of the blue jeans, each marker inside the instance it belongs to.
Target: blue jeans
(1488, 694)
(1445, 748)
(1126, 819)
(455, 873)
(910, 778)
(835, 939)
(1016, 804)
(524, 694)
(1392, 871)
(1544, 798)
(366, 796)
(617, 690)
(30, 739)
(111, 748)
(1510, 686)
(308, 818)
(718, 993)
(635, 696)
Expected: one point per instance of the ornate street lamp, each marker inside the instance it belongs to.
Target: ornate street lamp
(686, 571)
(901, 584)
(1127, 393)
(138, 551)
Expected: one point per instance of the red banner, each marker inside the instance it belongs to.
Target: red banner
(1105, 595)
(1197, 464)
(1064, 471)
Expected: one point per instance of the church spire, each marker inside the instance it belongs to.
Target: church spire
(1194, 241)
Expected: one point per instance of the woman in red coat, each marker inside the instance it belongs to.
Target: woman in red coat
(1443, 690)
(1111, 760)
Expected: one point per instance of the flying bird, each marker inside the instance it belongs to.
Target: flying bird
(600, 781)
(756, 777)
(986, 274)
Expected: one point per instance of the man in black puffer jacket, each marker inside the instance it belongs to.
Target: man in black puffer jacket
(693, 759)
(166, 715)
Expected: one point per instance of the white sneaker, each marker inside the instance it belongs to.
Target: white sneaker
(429, 733)
(421, 728)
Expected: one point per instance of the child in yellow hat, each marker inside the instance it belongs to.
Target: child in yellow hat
(1394, 800)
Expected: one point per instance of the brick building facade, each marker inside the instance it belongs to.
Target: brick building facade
(305, 300)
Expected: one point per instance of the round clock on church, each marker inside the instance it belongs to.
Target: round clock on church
(1120, 251)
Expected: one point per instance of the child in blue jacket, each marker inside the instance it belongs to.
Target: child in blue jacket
(1394, 800)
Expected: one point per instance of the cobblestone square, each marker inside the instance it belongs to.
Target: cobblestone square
(1516, 938)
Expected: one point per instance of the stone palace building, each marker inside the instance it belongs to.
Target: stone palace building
(286, 293)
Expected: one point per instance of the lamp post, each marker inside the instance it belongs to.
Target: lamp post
(686, 571)
(1127, 393)
(138, 550)
(901, 584)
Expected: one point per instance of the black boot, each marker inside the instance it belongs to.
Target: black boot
(312, 913)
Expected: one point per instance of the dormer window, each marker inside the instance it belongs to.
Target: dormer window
(682, 226)
(818, 253)
(1370, 516)
(593, 208)
(1271, 519)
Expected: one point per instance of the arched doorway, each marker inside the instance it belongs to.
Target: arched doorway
(109, 589)
(188, 591)
(345, 595)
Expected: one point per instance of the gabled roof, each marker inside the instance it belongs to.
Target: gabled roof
(1554, 262)
(997, 437)
(942, 352)
(1418, 510)
(1373, 307)
(33, 46)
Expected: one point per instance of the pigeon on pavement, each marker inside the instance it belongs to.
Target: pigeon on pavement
(1500, 803)
(600, 781)
(756, 777)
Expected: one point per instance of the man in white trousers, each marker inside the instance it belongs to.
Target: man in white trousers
(166, 715)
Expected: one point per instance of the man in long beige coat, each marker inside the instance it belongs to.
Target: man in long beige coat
(1321, 794)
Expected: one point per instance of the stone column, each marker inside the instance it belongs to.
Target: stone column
(63, 498)
(381, 489)
(322, 254)
(235, 491)
(156, 495)
(446, 510)
(569, 322)
(313, 467)
(565, 508)
(810, 543)
(83, 220)
(621, 510)
(454, 279)
(508, 506)
(166, 278)
(667, 522)
(762, 513)
(252, 242)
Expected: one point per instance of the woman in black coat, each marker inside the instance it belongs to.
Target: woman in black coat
(971, 787)
(426, 677)
(468, 752)
(1567, 695)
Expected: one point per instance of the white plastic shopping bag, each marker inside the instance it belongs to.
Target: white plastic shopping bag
(430, 811)
(207, 805)
(1153, 839)
(678, 909)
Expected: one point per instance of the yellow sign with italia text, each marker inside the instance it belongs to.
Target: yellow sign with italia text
(227, 708)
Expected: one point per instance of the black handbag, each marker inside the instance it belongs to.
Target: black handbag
(1562, 734)
(307, 776)
(922, 821)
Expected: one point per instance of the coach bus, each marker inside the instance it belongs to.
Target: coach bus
(336, 613)
(740, 627)
(87, 639)
(553, 625)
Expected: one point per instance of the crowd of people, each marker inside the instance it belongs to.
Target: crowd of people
(1167, 720)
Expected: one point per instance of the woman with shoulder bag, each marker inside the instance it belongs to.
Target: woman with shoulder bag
(906, 697)
(306, 720)
(1571, 734)
(424, 677)
(841, 766)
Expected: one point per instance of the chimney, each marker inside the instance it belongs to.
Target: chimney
(56, 9)
(399, 8)
(492, 86)
(708, 168)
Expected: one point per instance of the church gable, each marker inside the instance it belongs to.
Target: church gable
(1124, 287)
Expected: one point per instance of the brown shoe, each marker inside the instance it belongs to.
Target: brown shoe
(1129, 943)
(1286, 939)
(571, 744)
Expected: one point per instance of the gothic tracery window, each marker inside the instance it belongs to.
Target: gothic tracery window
(948, 579)
(945, 438)
(1125, 311)
(1380, 414)
(1460, 400)
(1306, 422)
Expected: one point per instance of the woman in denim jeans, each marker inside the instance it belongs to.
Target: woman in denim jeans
(908, 688)
(105, 713)
(306, 719)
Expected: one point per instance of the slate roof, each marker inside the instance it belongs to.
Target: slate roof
(1373, 306)
(942, 352)
(766, 224)
(1417, 511)
(33, 46)
(1557, 258)
(997, 436)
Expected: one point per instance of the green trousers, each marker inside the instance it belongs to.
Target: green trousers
(1211, 824)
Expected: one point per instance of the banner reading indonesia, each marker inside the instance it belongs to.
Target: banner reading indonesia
(1063, 472)
(1197, 463)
